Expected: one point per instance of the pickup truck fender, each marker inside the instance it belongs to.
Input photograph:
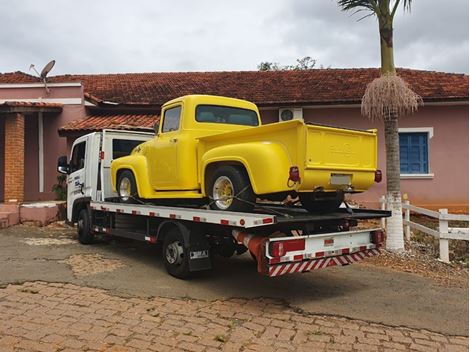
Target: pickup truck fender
(266, 163)
(138, 165)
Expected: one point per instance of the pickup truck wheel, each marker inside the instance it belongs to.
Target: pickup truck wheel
(226, 183)
(126, 187)
(175, 256)
(85, 235)
(323, 203)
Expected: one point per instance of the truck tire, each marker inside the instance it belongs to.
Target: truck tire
(126, 187)
(227, 182)
(175, 255)
(321, 203)
(85, 235)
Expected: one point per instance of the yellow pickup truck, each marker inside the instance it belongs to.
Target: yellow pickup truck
(214, 149)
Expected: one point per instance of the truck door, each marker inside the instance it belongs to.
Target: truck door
(163, 156)
(77, 174)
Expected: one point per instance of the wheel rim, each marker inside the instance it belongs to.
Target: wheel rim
(174, 253)
(125, 189)
(223, 192)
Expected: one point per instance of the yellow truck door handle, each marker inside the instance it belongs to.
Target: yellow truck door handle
(173, 140)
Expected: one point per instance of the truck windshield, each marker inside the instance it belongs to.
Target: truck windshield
(227, 115)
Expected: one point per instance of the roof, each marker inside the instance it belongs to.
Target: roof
(97, 122)
(27, 106)
(315, 87)
(18, 77)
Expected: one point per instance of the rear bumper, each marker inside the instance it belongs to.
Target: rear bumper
(315, 264)
(315, 252)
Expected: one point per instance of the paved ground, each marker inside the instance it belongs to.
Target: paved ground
(231, 308)
(64, 317)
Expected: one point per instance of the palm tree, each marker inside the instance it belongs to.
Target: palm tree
(387, 98)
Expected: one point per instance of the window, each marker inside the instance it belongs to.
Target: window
(78, 157)
(171, 119)
(414, 153)
(225, 114)
(123, 147)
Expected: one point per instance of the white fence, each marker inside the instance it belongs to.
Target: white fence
(444, 233)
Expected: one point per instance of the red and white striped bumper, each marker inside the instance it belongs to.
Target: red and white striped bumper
(314, 264)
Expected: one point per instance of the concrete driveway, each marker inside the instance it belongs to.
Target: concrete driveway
(126, 267)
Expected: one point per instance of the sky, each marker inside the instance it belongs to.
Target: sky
(107, 36)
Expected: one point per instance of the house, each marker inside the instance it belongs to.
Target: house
(433, 142)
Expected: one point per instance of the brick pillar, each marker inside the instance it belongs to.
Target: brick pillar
(14, 158)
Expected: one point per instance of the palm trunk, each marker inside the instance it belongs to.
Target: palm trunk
(395, 241)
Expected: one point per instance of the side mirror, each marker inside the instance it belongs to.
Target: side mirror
(156, 127)
(62, 165)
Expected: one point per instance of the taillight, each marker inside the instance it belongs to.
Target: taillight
(280, 248)
(377, 237)
(378, 176)
(294, 174)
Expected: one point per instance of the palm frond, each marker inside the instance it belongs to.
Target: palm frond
(406, 6)
(347, 5)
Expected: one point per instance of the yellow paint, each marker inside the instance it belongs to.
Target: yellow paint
(175, 164)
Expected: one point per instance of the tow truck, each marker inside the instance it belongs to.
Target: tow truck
(281, 239)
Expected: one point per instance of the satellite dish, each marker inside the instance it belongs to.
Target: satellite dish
(47, 69)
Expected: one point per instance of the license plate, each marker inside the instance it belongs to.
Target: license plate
(199, 254)
(340, 179)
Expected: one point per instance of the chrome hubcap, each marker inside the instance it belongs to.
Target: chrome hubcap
(174, 253)
(223, 192)
(125, 188)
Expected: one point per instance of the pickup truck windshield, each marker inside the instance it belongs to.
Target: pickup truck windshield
(227, 115)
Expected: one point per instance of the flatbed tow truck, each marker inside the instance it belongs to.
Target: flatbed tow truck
(282, 239)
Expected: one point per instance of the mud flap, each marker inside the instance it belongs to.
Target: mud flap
(198, 249)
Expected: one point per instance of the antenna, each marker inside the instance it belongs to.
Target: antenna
(45, 71)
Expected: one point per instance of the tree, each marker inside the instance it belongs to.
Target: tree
(387, 98)
(305, 63)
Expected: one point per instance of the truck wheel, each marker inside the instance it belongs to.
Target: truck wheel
(126, 187)
(175, 255)
(85, 235)
(226, 183)
(321, 203)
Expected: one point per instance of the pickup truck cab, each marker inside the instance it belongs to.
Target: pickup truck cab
(215, 150)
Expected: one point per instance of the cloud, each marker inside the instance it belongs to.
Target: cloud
(120, 36)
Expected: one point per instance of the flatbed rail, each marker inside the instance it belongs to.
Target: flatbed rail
(265, 215)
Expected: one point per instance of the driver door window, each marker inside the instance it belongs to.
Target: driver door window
(171, 119)
(78, 157)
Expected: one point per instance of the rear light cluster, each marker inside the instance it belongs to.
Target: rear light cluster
(281, 248)
(294, 174)
(377, 237)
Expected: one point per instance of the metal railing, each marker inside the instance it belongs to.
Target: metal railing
(444, 233)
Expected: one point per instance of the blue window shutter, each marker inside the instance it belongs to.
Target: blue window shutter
(414, 153)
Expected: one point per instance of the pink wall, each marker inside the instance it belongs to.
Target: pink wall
(2, 157)
(54, 146)
(448, 152)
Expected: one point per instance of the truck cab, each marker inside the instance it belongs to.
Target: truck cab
(88, 168)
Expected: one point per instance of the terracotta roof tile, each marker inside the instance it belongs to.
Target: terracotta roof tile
(18, 77)
(28, 104)
(92, 123)
(319, 86)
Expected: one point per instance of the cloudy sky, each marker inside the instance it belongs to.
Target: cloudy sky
(99, 36)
